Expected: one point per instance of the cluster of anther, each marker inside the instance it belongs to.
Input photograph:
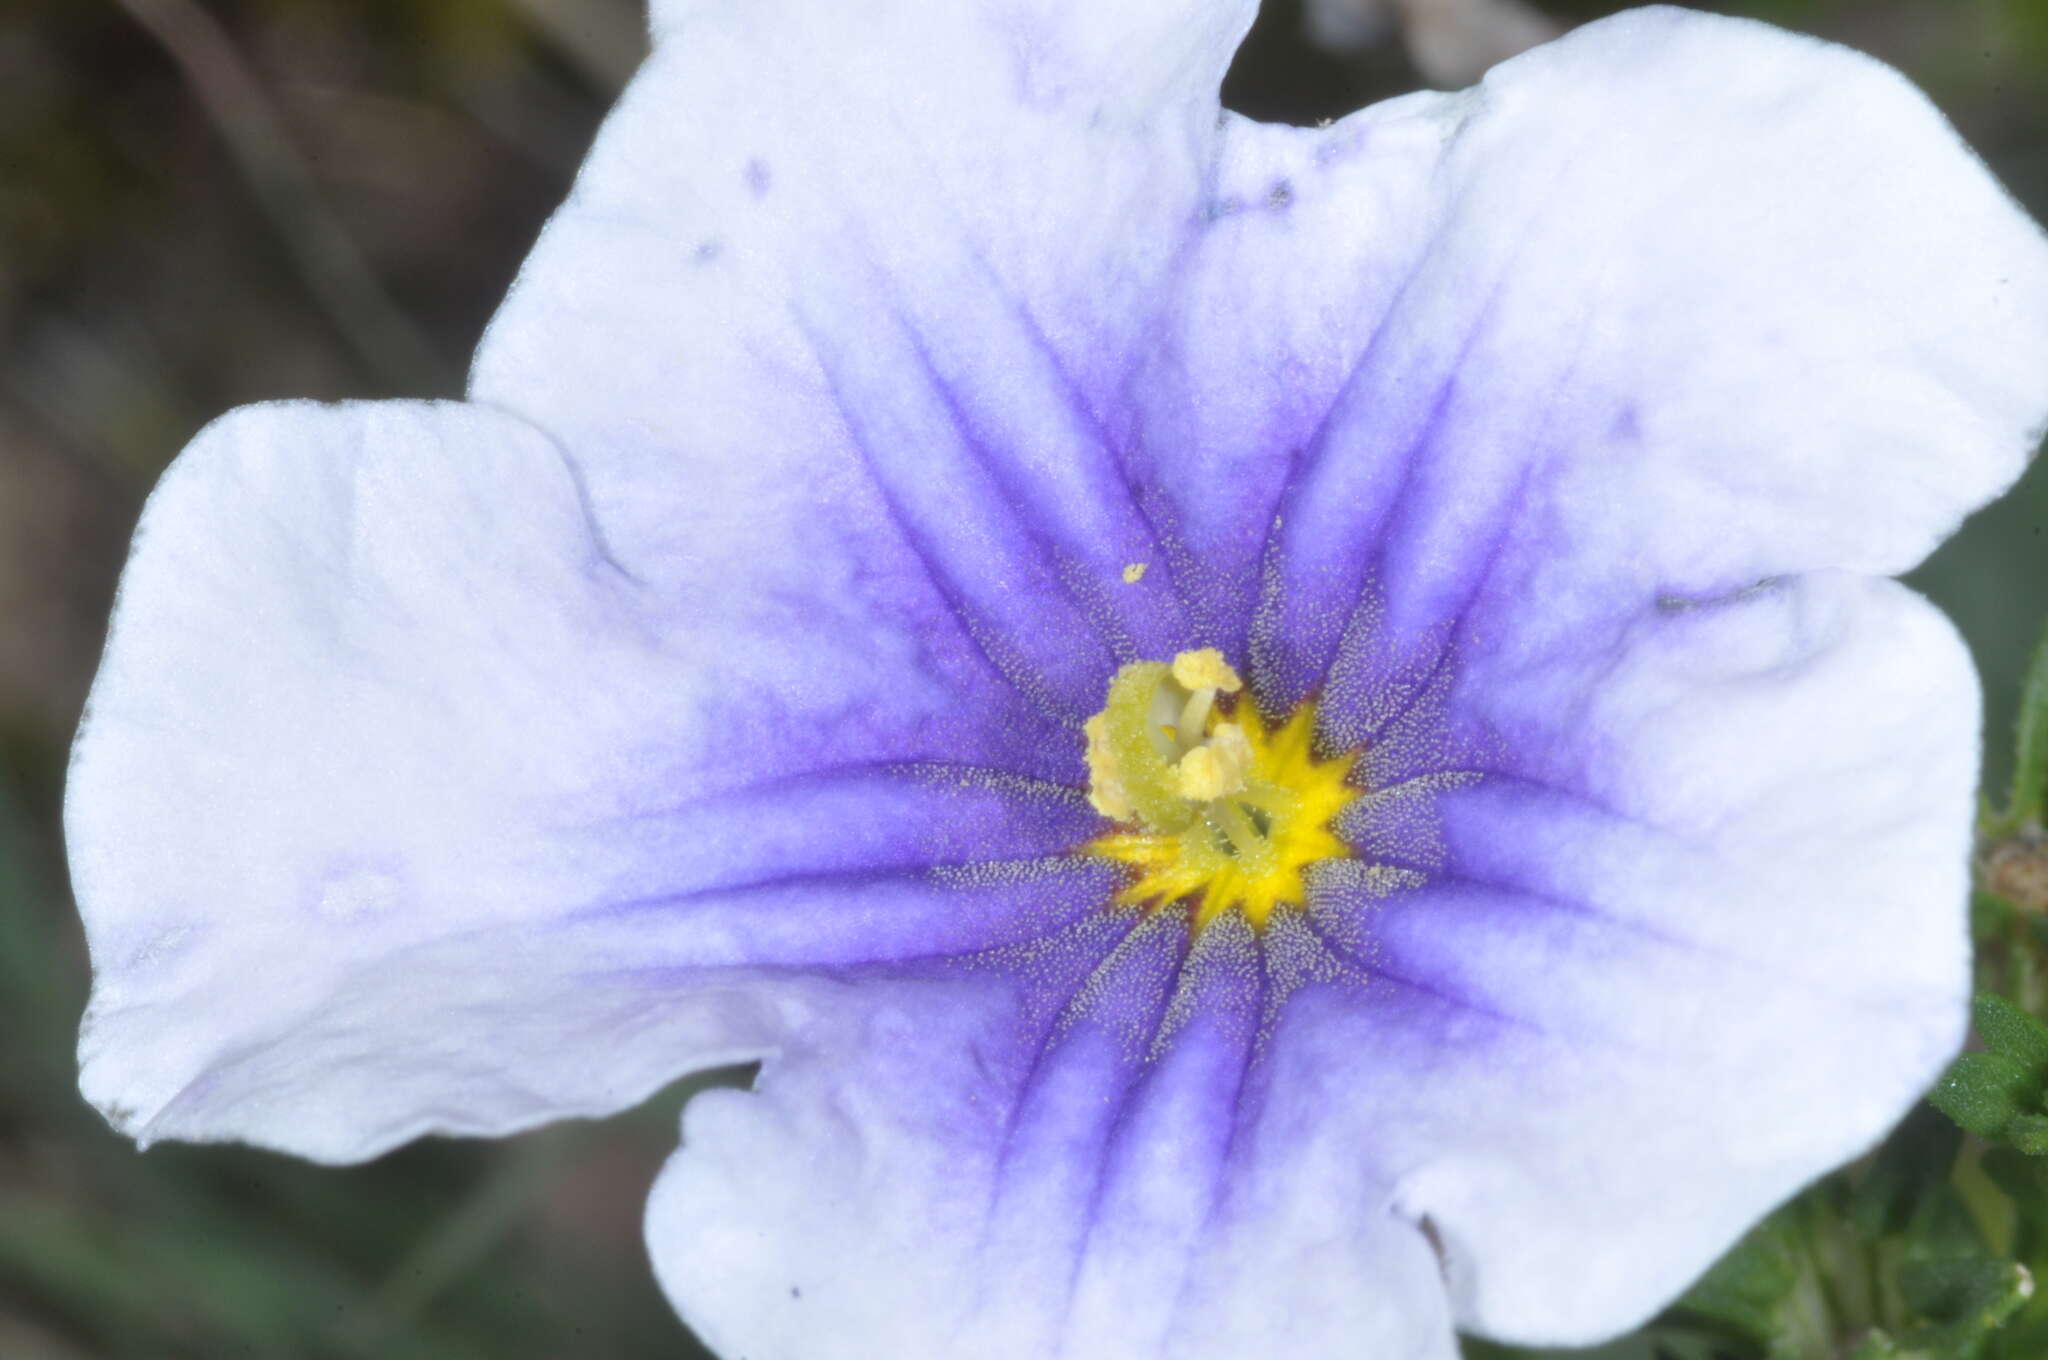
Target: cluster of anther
(1162, 753)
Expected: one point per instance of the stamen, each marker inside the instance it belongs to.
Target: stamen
(1205, 669)
(1202, 775)
(1167, 736)
(1106, 793)
(1215, 807)
(1234, 749)
(1244, 838)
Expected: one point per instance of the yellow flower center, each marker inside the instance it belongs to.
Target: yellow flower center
(1216, 808)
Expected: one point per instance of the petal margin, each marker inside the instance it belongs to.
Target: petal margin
(1668, 306)
(1716, 904)
(982, 1185)
(876, 272)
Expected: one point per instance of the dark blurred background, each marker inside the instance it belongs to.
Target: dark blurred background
(210, 202)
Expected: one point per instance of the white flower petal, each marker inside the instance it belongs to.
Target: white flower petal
(924, 1186)
(1729, 941)
(1684, 301)
(400, 806)
(867, 275)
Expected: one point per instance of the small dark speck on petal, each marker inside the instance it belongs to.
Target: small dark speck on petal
(1280, 196)
(1672, 602)
(709, 250)
(795, 1293)
(759, 177)
(1436, 1242)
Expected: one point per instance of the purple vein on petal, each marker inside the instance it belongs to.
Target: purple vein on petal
(1050, 972)
(1142, 497)
(1297, 624)
(1219, 980)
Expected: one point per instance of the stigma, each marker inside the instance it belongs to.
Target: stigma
(1214, 809)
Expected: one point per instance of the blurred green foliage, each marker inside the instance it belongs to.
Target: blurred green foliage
(209, 202)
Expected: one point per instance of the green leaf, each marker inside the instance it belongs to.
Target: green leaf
(2024, 1181)
(1745, 1295)
(1969, 1299)
(1878, 1346)
(1998, 1092)
(1953, 1288)
(2029, 1133)
(2030, 766)
(1953, 1285)
(1983, 1092)
(1947, 1231)
(1990, 914)
(2011, 1033)
(1910, 1168)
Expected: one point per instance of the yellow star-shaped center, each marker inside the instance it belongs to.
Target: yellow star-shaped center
(1215, 808)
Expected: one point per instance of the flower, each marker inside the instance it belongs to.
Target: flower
(906, 388)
